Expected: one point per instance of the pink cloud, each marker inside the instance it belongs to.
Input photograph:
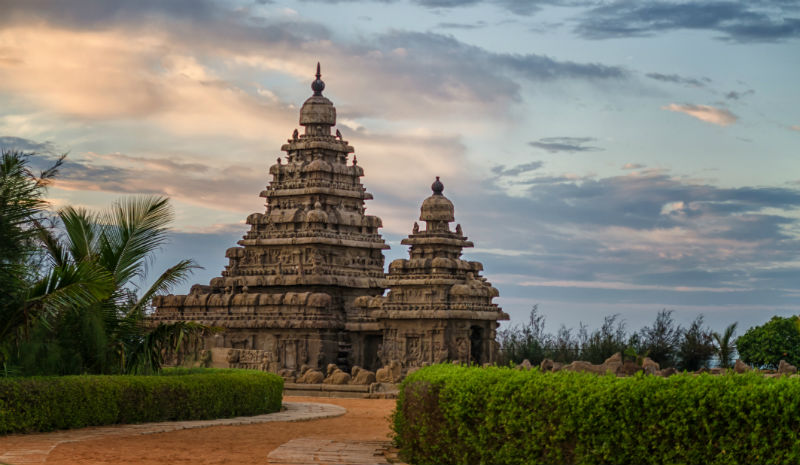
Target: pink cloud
(707, 113)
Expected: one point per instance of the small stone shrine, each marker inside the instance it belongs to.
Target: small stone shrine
(438, 307)
(306, 285)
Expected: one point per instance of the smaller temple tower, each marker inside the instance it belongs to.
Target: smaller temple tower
(438, 307)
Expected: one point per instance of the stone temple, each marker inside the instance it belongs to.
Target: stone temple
(306, 285)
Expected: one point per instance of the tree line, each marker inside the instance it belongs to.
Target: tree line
(688, 348)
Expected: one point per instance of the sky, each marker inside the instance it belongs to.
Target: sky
(606, 157)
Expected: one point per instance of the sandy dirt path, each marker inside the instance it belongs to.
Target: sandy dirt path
(365, 420)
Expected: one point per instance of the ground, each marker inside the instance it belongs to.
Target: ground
(365, 420)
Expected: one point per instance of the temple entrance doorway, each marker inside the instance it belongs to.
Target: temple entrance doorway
(476, 344)
(372, 347)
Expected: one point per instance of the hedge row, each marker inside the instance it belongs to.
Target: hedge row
(49, 403)
(459, 415)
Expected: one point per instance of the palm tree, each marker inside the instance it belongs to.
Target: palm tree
(25, 295)
(110, 335)
(726, 346)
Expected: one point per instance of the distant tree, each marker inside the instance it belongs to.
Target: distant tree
(661, 340)
(725, 346)
(606, 341)
(696, 346)
(524, 342)
(768, 344)
(564, 347)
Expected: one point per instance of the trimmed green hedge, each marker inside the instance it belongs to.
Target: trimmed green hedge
(450, 414)
(49, 403)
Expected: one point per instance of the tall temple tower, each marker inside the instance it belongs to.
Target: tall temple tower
(306, 284)
(289, 288)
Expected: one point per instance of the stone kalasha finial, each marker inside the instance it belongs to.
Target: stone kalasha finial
(437, 187)
(318, 86)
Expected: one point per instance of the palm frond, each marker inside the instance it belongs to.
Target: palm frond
(74, 285)
(149, 355)
(80, 227)
(56, 251)
(133, 230)
(173, 276)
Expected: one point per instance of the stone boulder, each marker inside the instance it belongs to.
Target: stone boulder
(612, 364)
(667, 372)
(525, 365)
(629, 368)
(391, 373)
(650, 366)
(546, 365)
(361, 376)
(579, 365)
(786, 368)
(741, 367)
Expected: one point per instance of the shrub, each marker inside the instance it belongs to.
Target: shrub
(768, 344)
(460, 415)
(49, 403)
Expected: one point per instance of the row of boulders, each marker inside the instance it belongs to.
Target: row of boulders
(391, 373)
(618, 366)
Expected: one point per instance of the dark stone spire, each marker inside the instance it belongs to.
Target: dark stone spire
(318, 85)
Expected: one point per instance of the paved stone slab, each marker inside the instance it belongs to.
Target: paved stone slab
(34, 448)
(312, 451)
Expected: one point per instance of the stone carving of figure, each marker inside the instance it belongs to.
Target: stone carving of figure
(295, 134)
(415, 230)
(462, 349)
(458, 230)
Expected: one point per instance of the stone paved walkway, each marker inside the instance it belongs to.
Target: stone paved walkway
(34, 448)
(310, 451)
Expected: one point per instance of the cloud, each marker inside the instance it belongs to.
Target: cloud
(565, 144)
(463, 26)
(646, 239)
(501, 170)
(766, 21)
(524, 8)
(734, 95)
(632, 166)
(707, 113)
(25, 145)
(676, 79)
(231, 187)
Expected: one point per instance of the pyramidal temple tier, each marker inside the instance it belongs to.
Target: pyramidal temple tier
(305, 286)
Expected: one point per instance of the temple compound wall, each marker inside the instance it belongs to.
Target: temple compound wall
(305, 286)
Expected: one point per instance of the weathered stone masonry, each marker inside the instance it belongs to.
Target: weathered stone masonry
(306, 284)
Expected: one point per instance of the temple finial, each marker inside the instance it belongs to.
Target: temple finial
(318, 86)
(437, 187)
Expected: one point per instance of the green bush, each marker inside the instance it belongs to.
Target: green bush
(768, 344)
(50, 403)
(459, 415)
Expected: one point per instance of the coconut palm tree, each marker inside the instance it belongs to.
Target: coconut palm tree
(726, 346)
(110, 335)
(27, 295)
